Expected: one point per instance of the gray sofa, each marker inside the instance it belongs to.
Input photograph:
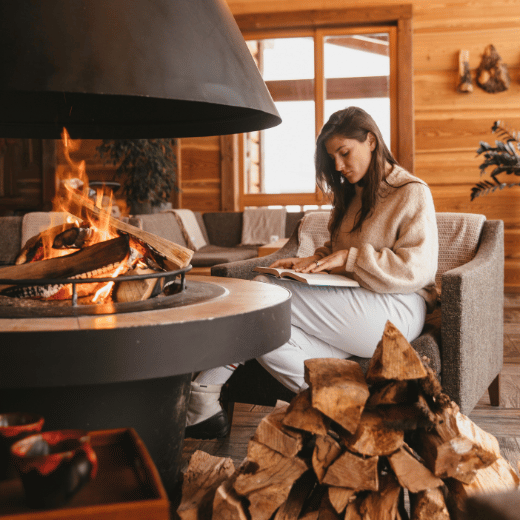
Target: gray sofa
(462, 338)
(222, 232)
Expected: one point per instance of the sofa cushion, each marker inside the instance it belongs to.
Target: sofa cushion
(164, 225)
(35, 222)
(190, 228)
(10, 238)
(211, 255)
(459, 237)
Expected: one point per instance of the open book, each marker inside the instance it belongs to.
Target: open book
(309, 278)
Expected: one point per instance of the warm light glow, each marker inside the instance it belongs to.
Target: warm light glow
(104, 292)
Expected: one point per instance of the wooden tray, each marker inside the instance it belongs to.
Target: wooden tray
(127, 486)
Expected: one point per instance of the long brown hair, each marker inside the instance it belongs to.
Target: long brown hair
(351, 123)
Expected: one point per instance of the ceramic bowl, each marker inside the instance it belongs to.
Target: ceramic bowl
(54, 466)
(13, 427)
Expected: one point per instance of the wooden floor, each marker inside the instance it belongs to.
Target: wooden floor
(502, 421)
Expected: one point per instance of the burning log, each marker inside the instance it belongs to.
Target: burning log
(175, 256)
(365, 473)
(87, 259)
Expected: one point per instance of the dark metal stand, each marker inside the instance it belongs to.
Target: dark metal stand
(155, 408)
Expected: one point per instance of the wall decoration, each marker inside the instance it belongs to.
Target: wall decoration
(492, 73)
(465, 82)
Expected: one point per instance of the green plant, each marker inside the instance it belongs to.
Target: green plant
(148, 167)
(505, 158)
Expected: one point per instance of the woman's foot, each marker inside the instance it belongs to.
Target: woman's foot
(206, 419)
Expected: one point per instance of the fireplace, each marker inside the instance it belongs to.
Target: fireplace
(130, 69)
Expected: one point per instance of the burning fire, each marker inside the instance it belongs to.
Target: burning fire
(93, 226)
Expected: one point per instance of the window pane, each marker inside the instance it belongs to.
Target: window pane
(281, 159)
(357, 72)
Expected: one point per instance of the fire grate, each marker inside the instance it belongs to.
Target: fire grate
(174, 281)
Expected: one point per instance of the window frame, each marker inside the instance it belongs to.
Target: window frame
(320, 23)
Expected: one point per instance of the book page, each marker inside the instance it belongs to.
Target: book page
(321, 278)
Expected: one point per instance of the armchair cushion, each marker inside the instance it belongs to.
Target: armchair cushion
(459, 237)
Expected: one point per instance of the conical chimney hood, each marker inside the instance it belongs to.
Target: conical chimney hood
(127, 69)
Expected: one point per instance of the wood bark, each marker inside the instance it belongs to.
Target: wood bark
(353, 472)
(341, 497)
(457, 447)
(267, 479)
(373, 436)
(134, 290)
(429, 505)
(204, 475)
(303, 416)
(291, 509)
(382, 504)
(83, 261)
(276, 436)
(338, 390)
(411, 473)
(326, 451)
(394, 359)
(499, 477)
(393, 392)
(227, 504)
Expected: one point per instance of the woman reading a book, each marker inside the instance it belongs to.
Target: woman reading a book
(383, 234)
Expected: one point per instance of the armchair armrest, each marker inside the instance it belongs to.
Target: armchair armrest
(472, 303)
(244, 268)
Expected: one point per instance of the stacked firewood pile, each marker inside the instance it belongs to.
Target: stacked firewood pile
(388, 445)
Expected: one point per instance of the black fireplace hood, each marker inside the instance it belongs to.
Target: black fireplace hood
(127, 69)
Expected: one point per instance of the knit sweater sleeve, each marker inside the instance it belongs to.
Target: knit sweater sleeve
(411, 263)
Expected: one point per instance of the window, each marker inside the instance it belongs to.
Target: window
(315, 63)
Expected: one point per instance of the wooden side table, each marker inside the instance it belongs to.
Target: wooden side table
(267, 249)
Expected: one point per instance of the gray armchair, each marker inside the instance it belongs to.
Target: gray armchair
(462, 338)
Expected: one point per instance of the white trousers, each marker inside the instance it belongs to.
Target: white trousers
(337, 322)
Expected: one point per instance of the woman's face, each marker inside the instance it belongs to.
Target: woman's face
(351, 158)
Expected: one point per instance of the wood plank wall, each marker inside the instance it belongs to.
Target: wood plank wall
(448, 125)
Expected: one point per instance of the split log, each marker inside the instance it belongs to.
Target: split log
(499, 477)
(352, 510)
(134, 290)
(373, 436)
(338, 389)
(227, 504)
(35, 245)
(457, 447)
(383, 504)
(324, 511)
(393, 392)
(175, 255)
(293, 506)
(85, 260)
(429, 505)
(341, 497)
(302, 416)
(411, 473)
(353, 472)
(276, 436)
(394, 359)
(267, 479)
(204, 475)
(326, 451)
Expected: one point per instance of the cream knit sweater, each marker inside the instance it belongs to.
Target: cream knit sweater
(396, 249)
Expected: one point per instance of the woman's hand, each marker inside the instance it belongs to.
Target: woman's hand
(336, 259)
(298, 264)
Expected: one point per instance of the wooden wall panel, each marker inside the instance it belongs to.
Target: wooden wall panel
(201, 176)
